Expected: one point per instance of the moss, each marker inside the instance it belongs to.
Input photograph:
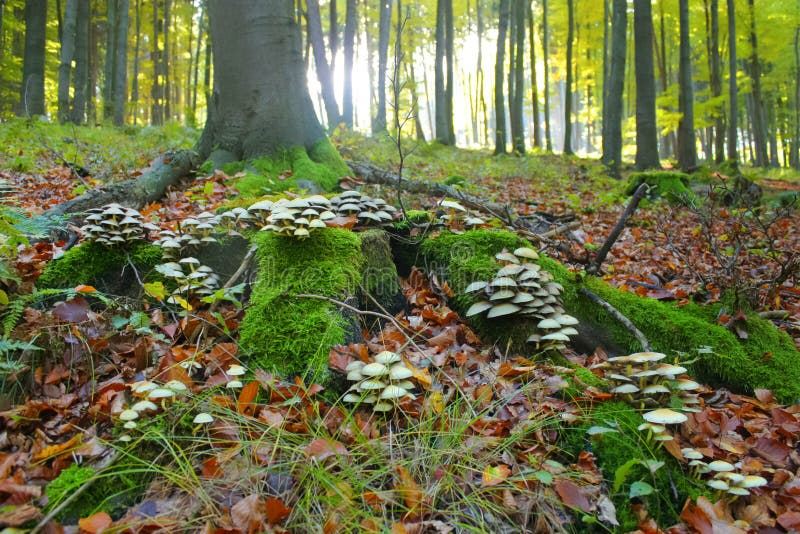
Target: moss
(616, 454)
(294, 335)
(90, 263)
(379, 274)
(293, 168)
(673, 186)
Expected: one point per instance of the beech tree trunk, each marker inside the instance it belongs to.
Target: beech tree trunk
(759, 133)
(108, 65)
(537, 126)
(136, 47)
(384, 28)
(351, 17)
(733, 91)
(612, 108)
(449, 52)
(687, 146)
(67, 54)
(518, 42)
(568, 89)
(156, 109)
(32, 91)
(546, 58)
(81, 76)
(321, 62)
(715, 80)
(120, 91)
(499, 68)
(260, 101)
(440, 108)
(646, 133)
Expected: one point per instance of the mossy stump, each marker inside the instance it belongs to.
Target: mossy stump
(671, 186)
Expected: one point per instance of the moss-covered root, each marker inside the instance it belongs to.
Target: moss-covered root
(625, 457)
(318, 168)
(379, 279)
(672, 186)
(105, 268)
(293, 335)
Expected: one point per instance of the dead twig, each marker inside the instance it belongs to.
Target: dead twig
(618, 316)
(248, 258)
(612, 237)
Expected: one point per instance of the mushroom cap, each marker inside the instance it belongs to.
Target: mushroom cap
(500, 310)
(234, 384)
(506, 256)
(753, 481)
(161, 393)
(547, 324)
(400, 372)
(476, 286)
(176, 385)
(645, 357)
(510, 270)
(691, 454)
(668, 369)
(734, 490)
(503, 281)
(144, 406)
(202, 418)
(355, 375)
(393, 392)
(235, 370)
(665, 416)
(526, 252)
(656, 428)
(654, 389)
(371, 384)
(719, 484)
(129, 425)
(128, 415)
(556, 336)
(685, 384)
(382, 407)
(625, 388)
(374, 369)
(351, 397)
(720, 466)
(452, 205)
(731, 477)
(386, 357)
(143, 387)
(354, 366)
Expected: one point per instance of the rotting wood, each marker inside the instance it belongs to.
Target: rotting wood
(618, 316)
(594, 268)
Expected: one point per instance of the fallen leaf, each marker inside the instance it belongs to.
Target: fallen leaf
(276, 511)
(494, 475)
(408, 488)
(571, 495)
(320, 449)
(95, 523)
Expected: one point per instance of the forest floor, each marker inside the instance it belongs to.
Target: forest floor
(481, 448)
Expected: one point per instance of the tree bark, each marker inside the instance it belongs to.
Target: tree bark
(67, 54)
(111, 57)
(321, 62)
(200, 33)
(440, 108)
(759, 133)
(136, 47)
(333, 32)
(715, 80)
(612, 109)
(384, 27)
(646, 133)
(260, 102)
(81, 77)
(449, 52)
(733, 91)
(518, 42)
(546, 59)
(166, 53)
(156, 110)
(568, 89)
(537, 125)
(349, 41)
(121, 64)
(499, 68)
(32, 91)
(795, 153)
(687, 146)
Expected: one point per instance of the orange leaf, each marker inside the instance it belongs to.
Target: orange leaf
(246, 398)
(84, 289)
(95, 523)
(320, 449)
(409, 489)
(55, 450)
(571, 495)
(492, 476)
(276, 511)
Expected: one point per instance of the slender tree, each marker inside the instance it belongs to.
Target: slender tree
(156, 109)
(715, 81)
(351, 17)
(384, 28)
(333, 32)
(136, 48)
(515, 104)
(499, 68)
(440, 108)
(795, 151)
(166, 60)
(449, 51)
(733, 91)
(81, 76)
(568, 88)
(110, 59)
(545, 59)
(32, 95)
(537, 126)
(120, 70)
(759, 133)
(324, 74)
(687, 146)
(67, 54)
(646, 133)
(612, 108)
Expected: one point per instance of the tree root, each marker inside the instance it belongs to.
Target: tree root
(618, 316)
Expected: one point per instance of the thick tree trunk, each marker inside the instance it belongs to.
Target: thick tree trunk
(499, 68)
(518, 42)
(733, 91)
(646, 133)
(384, 27)
(759, 133)
(81, 77)
(67, 54)
(333, 32)
(32, 93)
(351, 18)
(321, 62)
(612, 109)
(716, 84)
(537, 125)
(546, 59)
(568, 88)
(121, 64)
(260, 101)
(687, 146)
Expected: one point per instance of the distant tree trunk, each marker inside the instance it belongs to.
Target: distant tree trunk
(200, 34)
(440, 108)
(81, 77)
(759, 135)
(136, 46)
(612, 108)
(773, 104)
(733, 92)
(537, 126)
(606, 41)
(157, 111)
(568, 89)
(67, 54)
(687, 144)
(321, 62)
(349, 41)
(333, 32)
(715, 79)
(795, 155)
(518, 42)
(94, 67)
(546, 60)
(32, 94)
(646, 133)
(481, 96)
(166, 54)
(398, 59)
(120, 64)
(111, 55)
(449, 52)
(499, 68)
(384, 27)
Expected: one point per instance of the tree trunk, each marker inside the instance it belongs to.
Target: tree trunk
(687, 145)
(111, 56)
(442, 135)
(612, 109)
(94, 67)
(136, 47)
(759, 135)
(121, 63)
(499, 68)
(333, 32)
(606, 58)
(32, 93)
(795, 155)
(480, 77)
(156, 112)
(517, 118)
(384, 27)
(646, 133)
(349, 40)
(81, 77)
(166, 54)
(537, 126)
(568, 89)
(546, 60)
(260, 102)
(321, 62)
(733, 92)
(67, 54)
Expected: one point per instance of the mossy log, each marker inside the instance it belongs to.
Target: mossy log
(672, 186)
(768, 359)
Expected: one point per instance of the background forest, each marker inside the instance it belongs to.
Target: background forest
(148, 62)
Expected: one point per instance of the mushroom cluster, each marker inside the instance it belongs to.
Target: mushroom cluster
(115, 225)
(456, 216)
(725, 479)
(193, 278)
(193, 232)
(381, 383)
(641, 381)
(297, 217)
(524, 289)
(369, 211)
(149, 395)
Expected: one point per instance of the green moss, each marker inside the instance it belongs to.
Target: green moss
(379, 274)
(292, 168)
(673, 186)
(89, 263)
(294, 335)
(617, 454)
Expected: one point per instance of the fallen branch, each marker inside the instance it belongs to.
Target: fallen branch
(248, 258)
(618, 316)
(594, 268)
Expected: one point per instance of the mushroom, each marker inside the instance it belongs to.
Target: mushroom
(113, 225)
